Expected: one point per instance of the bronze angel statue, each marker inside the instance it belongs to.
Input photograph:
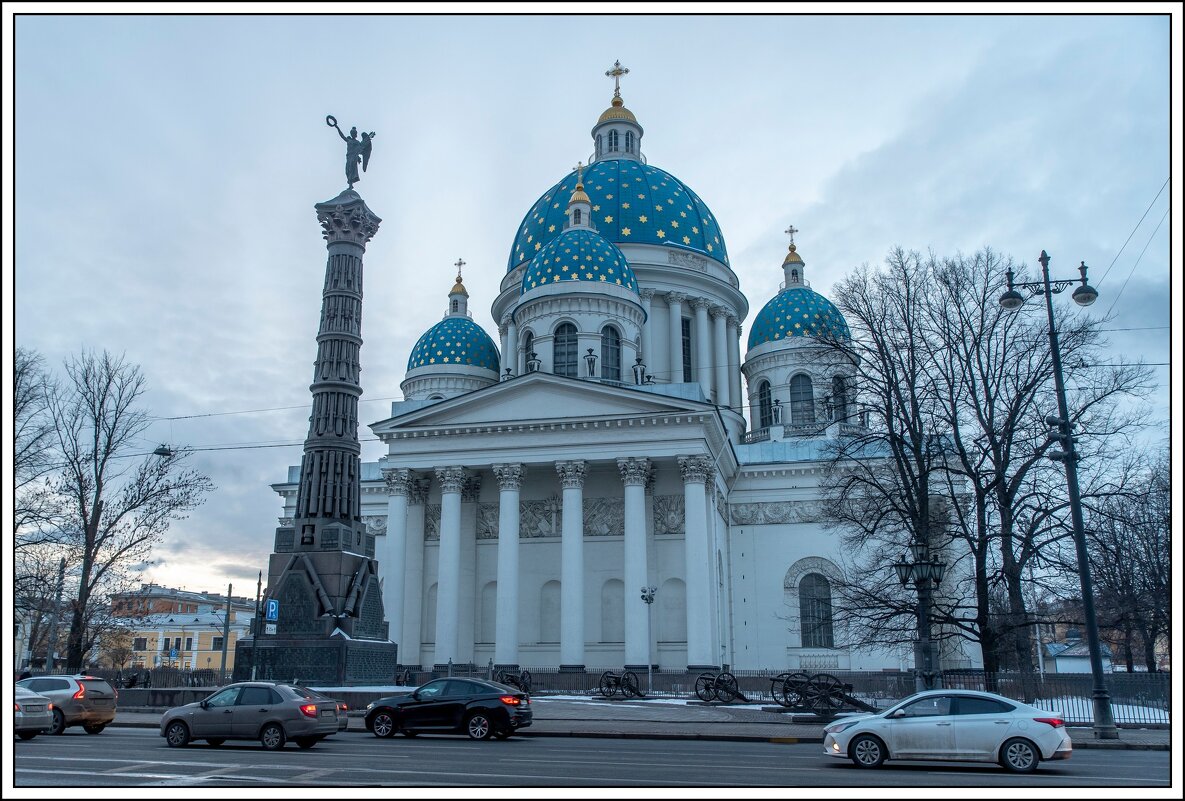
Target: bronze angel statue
(357, 150)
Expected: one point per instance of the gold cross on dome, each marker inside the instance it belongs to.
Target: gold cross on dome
(459, 264)
(792, 231)
(579, 172)
(616, 74)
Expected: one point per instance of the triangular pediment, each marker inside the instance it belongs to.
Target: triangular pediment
(541, 397)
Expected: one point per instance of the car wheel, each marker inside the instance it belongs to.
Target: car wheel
(478, 726)
(867, 751)
(94, 728)
(307, 742)
(1019, 756)
(272, 737)
(215, 741)
(383, 725)
(26, 735)
(177, 734)
(59, 722)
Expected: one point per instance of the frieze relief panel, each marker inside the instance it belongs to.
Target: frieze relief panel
(487, 521)
(773, 513)
(604, 517)
(668, 515)
(540, 518)
(431, 521)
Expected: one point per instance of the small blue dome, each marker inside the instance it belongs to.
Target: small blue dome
(455, 341)
(579, 255)
(797, 312)
(631, 202)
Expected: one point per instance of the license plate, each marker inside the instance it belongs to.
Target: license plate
(326, 713)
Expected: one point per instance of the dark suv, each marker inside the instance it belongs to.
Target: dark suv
(85, 701)
(475, 707)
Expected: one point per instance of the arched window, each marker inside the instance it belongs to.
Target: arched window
(802, 401)
(814, 611)
(610, 354)
(613, 611)
(839, 398)
(612, 141)
(598, 145)
(528, 346)
(453, 305)
(564, 351)
(765, 405)
(794, 276)
(629, 141)
(576, 216)
(549, 612)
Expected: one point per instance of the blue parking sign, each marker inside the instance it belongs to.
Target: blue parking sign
(272, 610)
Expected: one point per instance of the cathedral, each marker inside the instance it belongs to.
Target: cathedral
(611, 482)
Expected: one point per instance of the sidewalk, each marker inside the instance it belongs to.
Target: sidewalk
(663, 719)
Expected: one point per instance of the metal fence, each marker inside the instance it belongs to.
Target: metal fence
(149, 677)
(1136, 698)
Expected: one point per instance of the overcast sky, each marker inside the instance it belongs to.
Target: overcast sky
(167, 167)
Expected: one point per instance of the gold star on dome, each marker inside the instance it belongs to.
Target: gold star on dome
(626, 232)
(641, 196)
(695, 229)
(602, 277)
(642, 218)
(551, 229)
(608, 218)
(682, 214)
(658, 208)
(588, 276)
(686, 240)
(538, 245)
(531, 238)
(625, 205)
(674, 223)
(709, 248)
(597, 207)
(661, 233)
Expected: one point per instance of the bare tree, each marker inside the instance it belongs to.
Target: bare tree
(956, 391)
(1131, 561)
(32, 458)
(112, 501)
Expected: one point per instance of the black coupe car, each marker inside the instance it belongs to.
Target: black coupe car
(475, 707)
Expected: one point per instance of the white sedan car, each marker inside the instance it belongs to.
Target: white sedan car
(955, 725)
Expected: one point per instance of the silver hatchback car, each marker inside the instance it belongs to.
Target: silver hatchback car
(253, 710)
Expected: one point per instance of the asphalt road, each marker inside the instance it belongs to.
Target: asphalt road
(140, 758)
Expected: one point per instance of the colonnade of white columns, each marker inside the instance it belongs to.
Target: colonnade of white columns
(401, 562)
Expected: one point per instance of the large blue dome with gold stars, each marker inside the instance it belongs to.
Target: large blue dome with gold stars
(631, 202)
(455, 341)
(579, 255)
(798, 311)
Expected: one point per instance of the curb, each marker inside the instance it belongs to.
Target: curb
(740, 738)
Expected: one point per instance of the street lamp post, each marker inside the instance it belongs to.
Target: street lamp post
(1067, 454)
(925, 571)
(648, 597)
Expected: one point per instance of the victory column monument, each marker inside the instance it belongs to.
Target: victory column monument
(323, 582)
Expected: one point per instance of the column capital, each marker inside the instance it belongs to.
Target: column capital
(647, 295)
(471, 489)
(398, 480)
(419, 491)
(634, 471)
(719, 311)
(698, 303)
(510, 476)
(676, 297)
(347, 218)
(451, 478)
(733, 320)
(572, 473)
(695, 469)
(502, 329)
(506, 320)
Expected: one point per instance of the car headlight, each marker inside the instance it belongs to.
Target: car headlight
(836, 728)
(370, 705)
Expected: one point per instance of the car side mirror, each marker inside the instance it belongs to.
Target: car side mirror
(415, 694)
(204, 703)
(900, 713)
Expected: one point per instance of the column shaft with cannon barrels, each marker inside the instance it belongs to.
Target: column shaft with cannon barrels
(323, 584)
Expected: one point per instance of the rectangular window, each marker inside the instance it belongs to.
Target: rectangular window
(687, 379)
(189, 643)
(216, 644)
(164, 645)
(140, 644)
(177, 643)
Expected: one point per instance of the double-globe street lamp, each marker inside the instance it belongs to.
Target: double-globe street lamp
(925, 572)
(1067, 454)
(648, 598)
